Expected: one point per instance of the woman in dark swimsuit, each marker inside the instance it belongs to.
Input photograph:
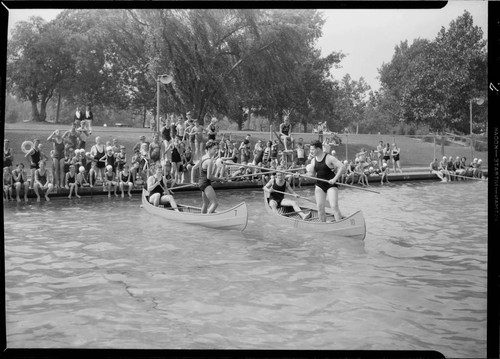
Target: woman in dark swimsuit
(97, 153)
(42, 182)
(58, 158)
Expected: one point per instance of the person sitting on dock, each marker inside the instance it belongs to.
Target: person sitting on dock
(157, 186)
(434, 167)
(478, 171)
(384, 174)
(443, 167)
(450, 167)
(277, 187)
(459, 167)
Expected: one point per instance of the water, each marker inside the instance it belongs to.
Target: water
(103, 274)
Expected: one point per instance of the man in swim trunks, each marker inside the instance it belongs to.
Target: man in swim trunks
(329, 169)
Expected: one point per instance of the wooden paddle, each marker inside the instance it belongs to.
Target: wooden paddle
(291, 194)
(183, 186)
(472, 178)
(317, 179)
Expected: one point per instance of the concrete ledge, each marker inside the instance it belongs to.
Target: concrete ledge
(97, 190)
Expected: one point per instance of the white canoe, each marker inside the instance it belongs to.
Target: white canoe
(233, 218)
(353, 226)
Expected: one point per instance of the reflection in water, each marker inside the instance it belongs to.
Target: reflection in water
(99, 273)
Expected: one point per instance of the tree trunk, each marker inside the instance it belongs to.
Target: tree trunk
(443, 141)
(43, 110)
(58, 107)
(143, 116)
(35, 115)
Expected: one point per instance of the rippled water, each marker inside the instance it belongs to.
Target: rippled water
(103, 274)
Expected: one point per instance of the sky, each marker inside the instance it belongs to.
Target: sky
(367, 37)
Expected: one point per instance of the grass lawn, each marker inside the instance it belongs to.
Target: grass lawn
(414, 153)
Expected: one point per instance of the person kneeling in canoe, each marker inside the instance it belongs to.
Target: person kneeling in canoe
(277, 187)
(158, 190)
(327, 170)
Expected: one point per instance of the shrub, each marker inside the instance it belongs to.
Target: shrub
(11, 116)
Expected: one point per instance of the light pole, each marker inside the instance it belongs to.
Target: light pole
(164, 79)
(479, 101)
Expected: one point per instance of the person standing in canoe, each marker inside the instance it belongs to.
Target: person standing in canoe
(276, 187)
(328, 169)
(206, 168)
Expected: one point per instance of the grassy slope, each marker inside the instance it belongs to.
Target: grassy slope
(414, 153)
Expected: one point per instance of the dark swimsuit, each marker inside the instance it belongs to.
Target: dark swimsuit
(35, 159)
(278, 197)
(58, 150)
(176, 156)
(71, 179)
(211, 136)
(395, 156)
(7, 162)
(203, 181)
(98, 156)
(285, 129)
(324, 172)
(126, 179)
(158, 189)
(42, 179)
(165, 134)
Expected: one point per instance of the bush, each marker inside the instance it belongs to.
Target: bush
(428, 138)
(11, 116)
(480, 146)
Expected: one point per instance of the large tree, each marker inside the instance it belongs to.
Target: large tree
(432, 82)
(38, 61)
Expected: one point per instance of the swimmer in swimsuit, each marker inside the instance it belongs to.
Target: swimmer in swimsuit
(42, 181)
(277, 199)
(206, 168)
(326, 167)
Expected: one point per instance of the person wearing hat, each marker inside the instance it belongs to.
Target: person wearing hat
(328, 170)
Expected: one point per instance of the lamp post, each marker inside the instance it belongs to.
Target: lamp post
(164, 79)
(479, 101)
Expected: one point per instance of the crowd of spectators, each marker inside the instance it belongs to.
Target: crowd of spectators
(177, 146)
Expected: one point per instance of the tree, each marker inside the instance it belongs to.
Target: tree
(433, 81)
(351, 103)
(37, 62)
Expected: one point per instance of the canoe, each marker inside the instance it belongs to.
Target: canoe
(233, 218)
(352, 226)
